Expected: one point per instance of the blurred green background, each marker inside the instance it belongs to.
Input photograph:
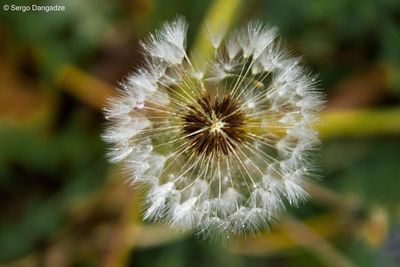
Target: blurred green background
(62, 204)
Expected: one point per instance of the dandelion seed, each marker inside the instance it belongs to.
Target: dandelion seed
(216, 34)
(219, 149)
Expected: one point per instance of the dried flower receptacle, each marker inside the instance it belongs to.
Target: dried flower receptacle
(213, 127)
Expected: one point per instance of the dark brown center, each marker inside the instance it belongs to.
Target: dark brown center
(214, 126)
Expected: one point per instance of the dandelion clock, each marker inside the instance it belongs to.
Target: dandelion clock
(219, 149)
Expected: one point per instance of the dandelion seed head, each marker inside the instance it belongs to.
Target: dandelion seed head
(222, 148)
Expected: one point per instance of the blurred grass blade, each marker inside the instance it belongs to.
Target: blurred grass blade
(321, 248)
(84, 86)
(362, 122)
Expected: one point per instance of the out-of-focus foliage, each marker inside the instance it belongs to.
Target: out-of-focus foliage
(63, 205)
(349, 34)
(55, 174)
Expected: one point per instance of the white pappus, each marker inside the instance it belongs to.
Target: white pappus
(218, 148)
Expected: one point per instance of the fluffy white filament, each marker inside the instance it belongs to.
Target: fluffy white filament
(226, 194)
